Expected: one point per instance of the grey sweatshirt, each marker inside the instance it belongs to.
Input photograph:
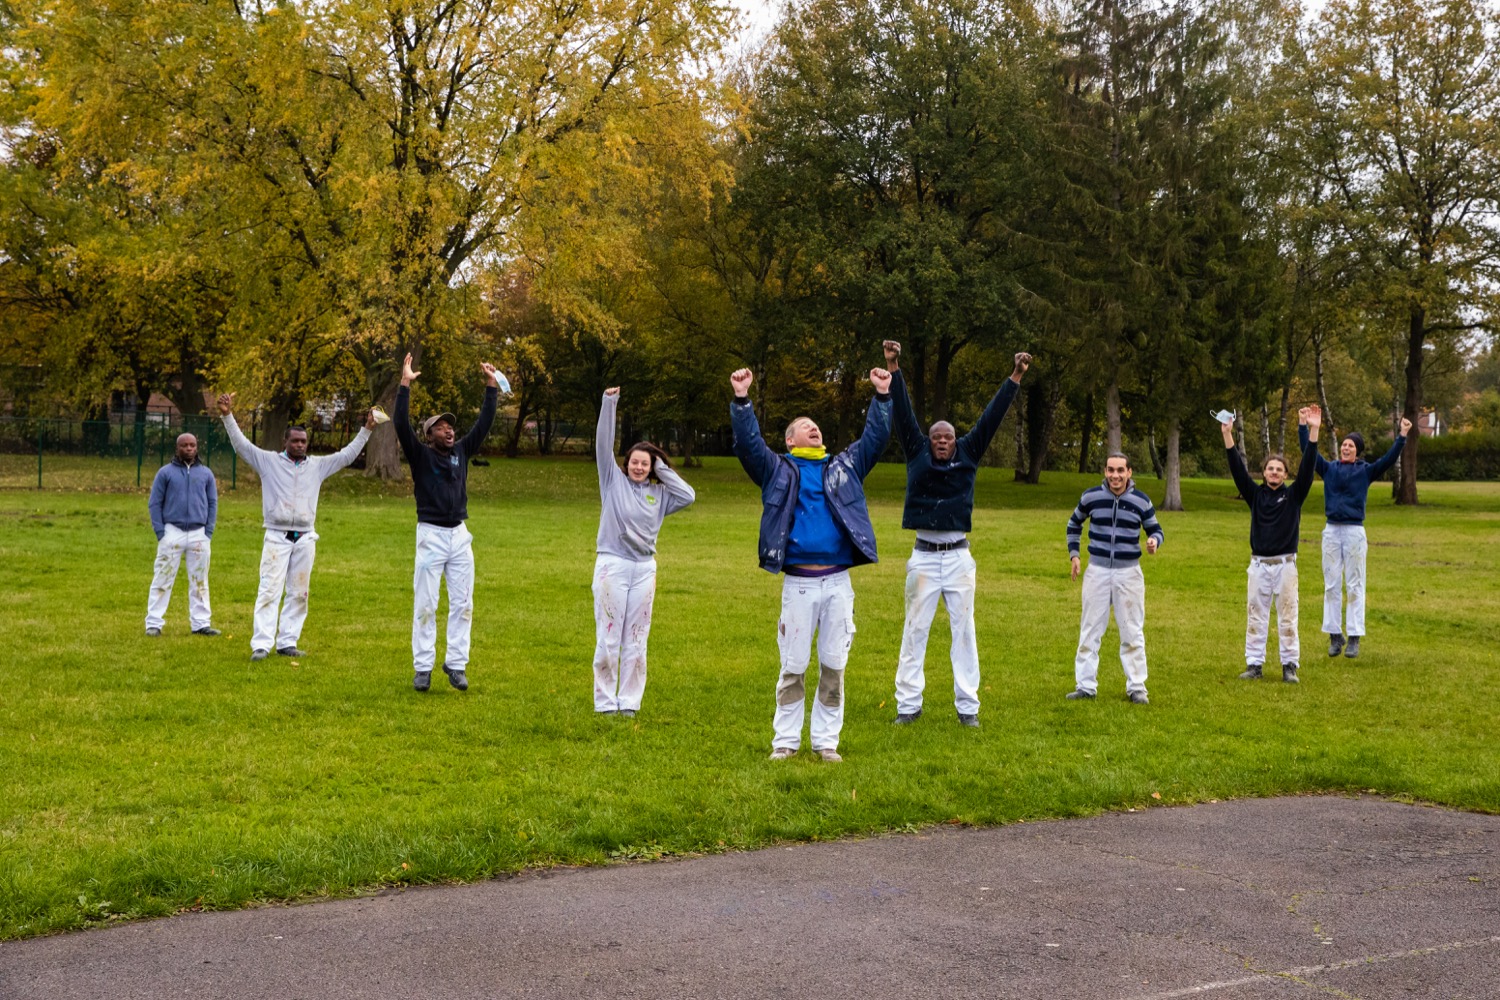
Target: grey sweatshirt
(632, 512)
(288, 489)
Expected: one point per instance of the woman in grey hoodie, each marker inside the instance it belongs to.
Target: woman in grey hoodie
(633, 502)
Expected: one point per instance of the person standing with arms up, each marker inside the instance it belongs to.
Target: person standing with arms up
(184, 507)
(940, 472)
(1346, 485)
(445, 549)
(1275, 522)
(814, 525)
(290, 481)
(1117, 513)
(633, 505)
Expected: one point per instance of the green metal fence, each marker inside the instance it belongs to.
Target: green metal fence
(105, 454)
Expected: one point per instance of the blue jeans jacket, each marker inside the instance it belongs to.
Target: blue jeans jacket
(843, 482)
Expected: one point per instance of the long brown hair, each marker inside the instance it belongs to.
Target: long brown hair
(657, 455)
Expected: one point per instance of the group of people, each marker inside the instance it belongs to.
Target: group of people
(815, 526)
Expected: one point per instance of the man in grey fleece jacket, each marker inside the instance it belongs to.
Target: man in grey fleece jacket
(290, 481)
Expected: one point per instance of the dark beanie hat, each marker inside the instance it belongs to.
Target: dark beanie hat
(1359, 442)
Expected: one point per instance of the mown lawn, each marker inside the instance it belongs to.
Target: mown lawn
(144, 776)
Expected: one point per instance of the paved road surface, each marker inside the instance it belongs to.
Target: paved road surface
(1249, 900)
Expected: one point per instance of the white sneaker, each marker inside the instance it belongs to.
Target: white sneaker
(831, 756)
(783, 753)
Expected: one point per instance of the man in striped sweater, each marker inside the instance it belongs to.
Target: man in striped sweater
(1117, 512)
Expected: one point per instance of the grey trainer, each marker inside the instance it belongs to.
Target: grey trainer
(422, 680)
(1289, 673)
(1138, 698)
(1079, 695)
(258, 654)
(290, 651)
(1251, 673)
(907, 718)
(456, 678)
(1352, 650)
(783, 753)
(1335, 643)
(831, 756)
(972, 721)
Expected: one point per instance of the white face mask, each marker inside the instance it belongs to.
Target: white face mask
(1223, 416)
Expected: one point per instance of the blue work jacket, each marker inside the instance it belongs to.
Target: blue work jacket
(843, 482)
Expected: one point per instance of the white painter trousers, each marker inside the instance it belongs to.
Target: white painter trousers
(931, 576)
(176, 543)
(1344, 548)
(1272, 584)
(824, 605)
(1122, 588)
(623, 593)
(442, 553)
(284, 565)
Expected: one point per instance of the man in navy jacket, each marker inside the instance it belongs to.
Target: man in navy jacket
(814, 525)
(184, 507)
(940, 472)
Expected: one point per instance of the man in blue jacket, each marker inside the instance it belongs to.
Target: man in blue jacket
(940, 472)
(184, 506)
(814, 525)
(1346, 484)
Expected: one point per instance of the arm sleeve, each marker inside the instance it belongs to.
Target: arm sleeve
(1303, 486)
(154, 505)
(253, 456)
(908, 431)
(978, 439)
(1303, 440)
(871, 444)
(1150, 523)
(1240, 475)
(1075, 528)
(481, 429)
(604, 442)
(341, 458)
(749, 447)
(212, 489)
(679, 493)
(401, 420)
(1384, 462)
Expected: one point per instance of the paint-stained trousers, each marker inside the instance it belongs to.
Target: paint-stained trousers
(824, 605)
(1344, 548)
(931, 576)
(1122, 588)
(174, 545)
(623, 593)
(285, 565)
(1272, 584)
(442, 553)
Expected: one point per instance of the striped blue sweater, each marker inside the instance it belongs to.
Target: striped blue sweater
(1115, 525)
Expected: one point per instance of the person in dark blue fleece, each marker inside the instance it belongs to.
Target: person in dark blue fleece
(814, 525)
(1346, 483)
(940, 472)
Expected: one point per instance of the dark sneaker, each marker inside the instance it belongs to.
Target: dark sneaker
(1138, 698)
(1289, 673)
(258, 654)
(207, 630)
(972, 721)
(628, 713)
(1251, 673)
(290, 651)
(907, 718)
(1352, 650)
(457, 679)
(831, 756)
(422, 680)
(153, 632)
(1335, 643)
(1080, 694)
(783, 753)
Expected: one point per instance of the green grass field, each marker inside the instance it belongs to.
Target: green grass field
(146, 776)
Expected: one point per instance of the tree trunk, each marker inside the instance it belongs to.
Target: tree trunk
(942, 364)
(1019, 409)
(1085, 438)
(1286, 403)
(383, 453)
(1265, 431)
(917, 383)
(1173, 499)
(1416, 337)
(1112, 416)
(1041, 417)
(1328, 422)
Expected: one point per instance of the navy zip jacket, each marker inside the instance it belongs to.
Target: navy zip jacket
(940, 495)
(1115, 525)
(780, 482)
(1275, 515)
(441, 482)
(185, 496)
(1346, 484)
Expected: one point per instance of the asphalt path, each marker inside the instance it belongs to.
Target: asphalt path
(1251, 900)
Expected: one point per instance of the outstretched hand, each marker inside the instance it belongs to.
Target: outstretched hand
(1314, 416)
(489, 374)
(226, 403)
(1023, 362)
(613, 390)
(407, 375)
(1405, 427)
(892, 350)
(880, 379)
(740, 381)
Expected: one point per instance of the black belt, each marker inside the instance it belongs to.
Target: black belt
(292, 536)
(926, 546)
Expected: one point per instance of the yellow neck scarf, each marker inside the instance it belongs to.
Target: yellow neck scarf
(816, 454)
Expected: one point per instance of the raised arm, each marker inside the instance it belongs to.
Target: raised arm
(1319, 462)
(475, 438)
(1309, 419)
(978, 439)
(243, 447)
(865, 452)
(604, 439)
(401, 420)
(1380, 465)
(329, 464)
(1237, 470)
(750, 448)
(903, 417)
(679, 493)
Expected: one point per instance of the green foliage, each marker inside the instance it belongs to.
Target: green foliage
(1473, 455)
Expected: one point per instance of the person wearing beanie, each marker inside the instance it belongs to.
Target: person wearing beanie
(814, 526)
(1346, 483)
